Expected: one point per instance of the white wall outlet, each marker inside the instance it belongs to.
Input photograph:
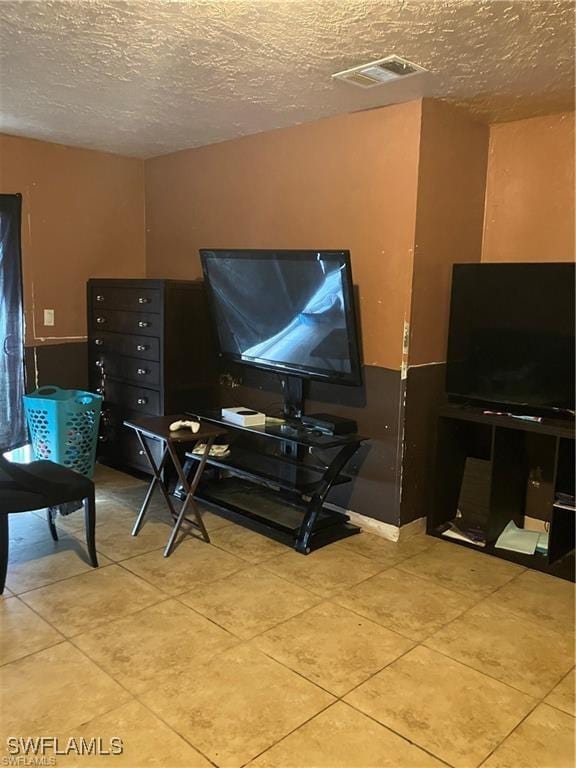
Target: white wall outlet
(48, 317)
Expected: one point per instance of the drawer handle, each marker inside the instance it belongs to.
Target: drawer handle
(100, 363)
(142, 347)
(98, 342)
(144, 324)
(143, 300)
(142, 371)
(100, 320)
(142, 401)
(99, 298)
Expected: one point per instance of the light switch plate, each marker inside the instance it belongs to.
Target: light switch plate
(48, 317)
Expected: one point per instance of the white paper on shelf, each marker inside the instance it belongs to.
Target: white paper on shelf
(454, 532)
(451, 534)
(517, 539)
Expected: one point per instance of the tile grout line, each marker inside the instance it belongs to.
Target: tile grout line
(102, 624)
(138, 694)
(536, 704)
(341, 698)
(485, 674)
(341, 589)
(537, 701)
(241, 639)
(507, 736)
(431, 579)
(246, 643)
(438, 583)
(64, 578)
(404, 738)
(136, 697)
(329, 600)
(374, 674)
(294, 671)
(173, 730)
(103, 671)
(572, 671)
(483, 599)
(275, 743)
(33, 653)
(322, 599)
(133, 697)
(459, 661)
(422, 643)
(175, 594)
(417, 641)
(164, 599)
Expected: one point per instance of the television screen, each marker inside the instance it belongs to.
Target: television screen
(291, 311)
(511, 337)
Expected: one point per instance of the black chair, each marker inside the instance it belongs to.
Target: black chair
(40, 485)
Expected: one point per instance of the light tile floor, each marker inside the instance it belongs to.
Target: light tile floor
(366, 654)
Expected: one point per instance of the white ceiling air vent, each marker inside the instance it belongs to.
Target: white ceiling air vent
(379, 72)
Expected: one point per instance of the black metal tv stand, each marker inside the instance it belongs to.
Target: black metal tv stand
(276, 480)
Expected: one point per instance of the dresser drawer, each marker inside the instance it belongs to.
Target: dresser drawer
(142, 347)
(116, 321)
(132, 299)
(142, 372)
(137, 399)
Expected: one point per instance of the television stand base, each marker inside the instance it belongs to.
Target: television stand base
(262, 510)
(281, 494)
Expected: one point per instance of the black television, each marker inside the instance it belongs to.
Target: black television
(511, 337)
(289, 311)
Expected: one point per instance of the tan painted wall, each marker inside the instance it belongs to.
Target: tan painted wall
(530, 190)
(449, 220)
(83, 216)
(344, 182)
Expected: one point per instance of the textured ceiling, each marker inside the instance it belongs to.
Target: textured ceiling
(146, 78)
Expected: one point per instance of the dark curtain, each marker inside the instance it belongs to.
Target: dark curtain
(13, 431)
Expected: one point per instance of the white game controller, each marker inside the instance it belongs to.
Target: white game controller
(178, 425)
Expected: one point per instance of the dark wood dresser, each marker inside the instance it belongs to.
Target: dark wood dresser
(150, 352)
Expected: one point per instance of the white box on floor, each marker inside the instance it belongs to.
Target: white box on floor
(244, 417)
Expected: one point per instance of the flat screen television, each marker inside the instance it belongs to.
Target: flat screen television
(287, 311)
(511, 336)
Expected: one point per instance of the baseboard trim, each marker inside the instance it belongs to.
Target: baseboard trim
(386, 530)
(416, 527)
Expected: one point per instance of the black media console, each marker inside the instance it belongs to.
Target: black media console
(520, 469)
(276, 480)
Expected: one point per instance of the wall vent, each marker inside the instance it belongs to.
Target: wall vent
(379, 72)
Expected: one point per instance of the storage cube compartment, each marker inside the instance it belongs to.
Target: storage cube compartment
(464, 462)
(541, 454)
(491, 471)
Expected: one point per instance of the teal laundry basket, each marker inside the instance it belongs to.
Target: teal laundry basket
(63, 426)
